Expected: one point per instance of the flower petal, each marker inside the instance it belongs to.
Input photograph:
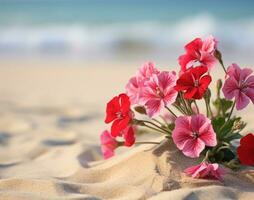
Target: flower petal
(250, 93)
(245, 155)
(180, 136)
(199, 71)
(209, 44)
(133, 88)
(129, 137)
(108, 144)
(189, 94)
(241, 100)
(229, 88)
(113, 107)
(206, 170)
(192, 148)
(119, 125)
(194, 46)
(209, 137)
(250, 82)
(124, 103)
(186, 61)
(208, 59)
(205, 81)
(154, 107)
(195, 170)
(170, 96)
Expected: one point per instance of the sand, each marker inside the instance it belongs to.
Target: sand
(51, 118)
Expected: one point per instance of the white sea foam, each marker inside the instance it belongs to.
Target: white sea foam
(109, 40)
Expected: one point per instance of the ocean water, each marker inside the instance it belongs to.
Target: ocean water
(118, 29)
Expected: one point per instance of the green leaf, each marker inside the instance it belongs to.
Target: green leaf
(226, 105)
(232, 136)
(226, 128)
(218, 123)
(228, 155)
(218, 157)
(223, 155)
(217, 104)
(222, 105)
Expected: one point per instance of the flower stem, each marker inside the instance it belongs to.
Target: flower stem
(221, 62)
(210, 110)
(196, 106)
(185, 105)
(164, 120)
(180, 109)
(147, 142)
(231, 111)
(207, 109)
(229, 116)
(219, 57)
(206, 158)
(222, 147)
(155, 129)
(171, 111)
(158, 121)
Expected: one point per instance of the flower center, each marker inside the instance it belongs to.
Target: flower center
(119, 115)
(195, 135)
(242, 85)
(196, 83)
(159, 92)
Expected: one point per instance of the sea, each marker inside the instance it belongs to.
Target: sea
(123, 29)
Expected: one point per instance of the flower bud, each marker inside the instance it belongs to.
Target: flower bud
(218, 87)
(238, 125)
(219, 84)
(140, 110)
(207, 95)
(218, 55)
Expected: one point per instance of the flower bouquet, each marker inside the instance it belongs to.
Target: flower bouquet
(169, 103)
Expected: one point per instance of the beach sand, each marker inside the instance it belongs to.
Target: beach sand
(51, 118)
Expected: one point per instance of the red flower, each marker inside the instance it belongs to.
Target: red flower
(201, 51)
(129, 136)
(246, 150)
(119, 112)
(193, 82)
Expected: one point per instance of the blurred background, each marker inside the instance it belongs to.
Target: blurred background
(120, 31)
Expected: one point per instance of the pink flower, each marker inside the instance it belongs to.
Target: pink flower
(133, 89)
(201, 51)
(239, 85)
(147, 70)
(159, 92)
(136, 83)
(108, 144)
(192, 134)
(206, 170)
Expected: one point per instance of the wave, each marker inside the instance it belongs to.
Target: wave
(111, 40)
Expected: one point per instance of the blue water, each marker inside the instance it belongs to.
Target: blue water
(112, 11)
(117, 28)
